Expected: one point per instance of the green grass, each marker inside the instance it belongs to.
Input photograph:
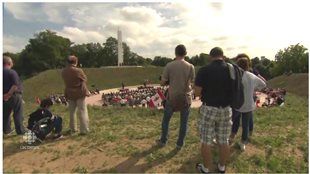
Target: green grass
(127, 136)
(294, 83)
(279, 142)
(50, 81)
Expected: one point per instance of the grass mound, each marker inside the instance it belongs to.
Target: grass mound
(294, 83)
(50, 81)
(123, 140)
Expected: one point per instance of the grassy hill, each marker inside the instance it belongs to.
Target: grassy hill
(123, 141)
(50, 82)
(294, 83)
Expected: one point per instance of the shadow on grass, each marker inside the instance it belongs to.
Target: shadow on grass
(130, 165)
(12, 148)
(190, 165)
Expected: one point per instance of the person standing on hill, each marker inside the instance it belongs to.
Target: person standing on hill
(76, 91)
(235, 117)
(213, 85)
(250, 83)
(12, 98)
(179, 75)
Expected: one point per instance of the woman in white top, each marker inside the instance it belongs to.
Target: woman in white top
(250, 83)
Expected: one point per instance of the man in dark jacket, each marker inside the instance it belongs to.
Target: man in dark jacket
(42, 121)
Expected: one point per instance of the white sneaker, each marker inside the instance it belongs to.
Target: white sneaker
(242, 146)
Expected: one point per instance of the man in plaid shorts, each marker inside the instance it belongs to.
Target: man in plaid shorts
(213, 86)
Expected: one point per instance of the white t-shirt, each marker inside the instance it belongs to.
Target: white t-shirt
(250, 83)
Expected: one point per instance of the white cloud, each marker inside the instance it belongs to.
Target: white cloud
(25, 11)
(255, 27)
(13, 44)
(79, 36)
(56, 12)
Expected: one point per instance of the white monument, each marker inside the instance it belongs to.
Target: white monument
(119, 49)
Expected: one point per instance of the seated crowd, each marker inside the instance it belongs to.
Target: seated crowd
(275, 97)
(58, 99)
(133, 98)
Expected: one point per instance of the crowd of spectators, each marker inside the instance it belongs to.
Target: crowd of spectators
(133, 98)
(275, 97)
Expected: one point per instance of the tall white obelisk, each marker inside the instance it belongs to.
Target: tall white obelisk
(119, 48)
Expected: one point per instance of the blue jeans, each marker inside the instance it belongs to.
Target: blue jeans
(247, 124)
(53, 125)
(15, 105)
(57, 124)
(168, 112)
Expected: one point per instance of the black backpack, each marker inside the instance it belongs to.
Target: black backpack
(236, 74)
(42, 128)
(40, 123)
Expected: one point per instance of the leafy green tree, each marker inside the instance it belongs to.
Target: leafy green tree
(161, 61)
(80, 51)
(194, 60)
(45, 51)
(109, 52)
(294, 58)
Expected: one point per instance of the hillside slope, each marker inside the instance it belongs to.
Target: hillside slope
(123, 141)
(295, 83)
(50, 81)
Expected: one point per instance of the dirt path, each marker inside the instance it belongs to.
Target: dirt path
(96, 99)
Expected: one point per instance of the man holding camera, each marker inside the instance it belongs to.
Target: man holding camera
(76, 91)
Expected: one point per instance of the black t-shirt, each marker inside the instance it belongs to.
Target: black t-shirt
(216, 84)
(10, 78)
(38, 115)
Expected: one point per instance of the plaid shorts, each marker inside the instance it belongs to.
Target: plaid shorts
(213, 123)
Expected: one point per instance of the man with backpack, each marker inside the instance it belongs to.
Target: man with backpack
(179, 75)
(42, 121)
(213, 85)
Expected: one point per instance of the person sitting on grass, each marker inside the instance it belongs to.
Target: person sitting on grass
(42, 121)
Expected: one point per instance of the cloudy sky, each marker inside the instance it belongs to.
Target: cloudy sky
(259, 28)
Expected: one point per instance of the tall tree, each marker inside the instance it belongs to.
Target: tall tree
(45, 51)
(294, 58)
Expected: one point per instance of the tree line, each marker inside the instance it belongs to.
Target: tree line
(47, 50)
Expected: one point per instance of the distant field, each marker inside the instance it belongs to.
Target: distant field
(50, 82)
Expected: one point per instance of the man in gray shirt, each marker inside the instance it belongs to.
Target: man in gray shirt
(179, 75)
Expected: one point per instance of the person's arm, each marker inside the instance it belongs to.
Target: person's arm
(256, 72)
(259, 83)
(13, 88)
(164, 77)
(82, 75)
(197, 90)
(261, 77)
(192, 75)
(198, 84)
